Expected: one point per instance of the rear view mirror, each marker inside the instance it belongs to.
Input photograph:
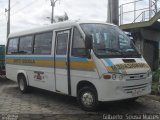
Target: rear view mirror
(88, 42)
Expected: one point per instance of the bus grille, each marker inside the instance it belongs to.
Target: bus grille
(130, 89)
(136, 76)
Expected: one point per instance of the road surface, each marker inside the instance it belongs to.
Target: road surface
(40, 104)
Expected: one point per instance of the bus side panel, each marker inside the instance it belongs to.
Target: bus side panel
(79, 76)
(11, 72)
(41, 77)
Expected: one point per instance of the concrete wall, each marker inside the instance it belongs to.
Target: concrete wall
(151, 35)
(147, 42)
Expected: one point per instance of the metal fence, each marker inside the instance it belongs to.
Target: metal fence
(138, 11)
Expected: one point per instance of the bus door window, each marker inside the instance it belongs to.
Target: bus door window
(62, 44)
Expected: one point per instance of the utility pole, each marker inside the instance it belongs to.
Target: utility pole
(113, 12)
(8, 21)
(52, 14)
(150, 9)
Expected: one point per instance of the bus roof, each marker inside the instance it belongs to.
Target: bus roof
(58, 25)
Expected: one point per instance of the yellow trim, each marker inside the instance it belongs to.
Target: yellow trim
(125, 66)
(88, 65)
(109, 69)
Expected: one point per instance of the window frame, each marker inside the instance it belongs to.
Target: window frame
(33, 34)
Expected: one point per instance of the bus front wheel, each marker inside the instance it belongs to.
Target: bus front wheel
(22, 84)
(87, 98)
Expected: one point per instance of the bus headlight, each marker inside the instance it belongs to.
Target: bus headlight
(114, 76)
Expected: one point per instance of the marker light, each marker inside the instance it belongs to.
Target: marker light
(107, 76)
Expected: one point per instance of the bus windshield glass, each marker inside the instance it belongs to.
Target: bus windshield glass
(110, 41)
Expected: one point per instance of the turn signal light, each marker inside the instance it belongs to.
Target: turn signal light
(107, 76)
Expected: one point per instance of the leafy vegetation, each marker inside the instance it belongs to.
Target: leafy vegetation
(155, 82)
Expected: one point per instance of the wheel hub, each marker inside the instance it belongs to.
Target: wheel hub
(87, 99)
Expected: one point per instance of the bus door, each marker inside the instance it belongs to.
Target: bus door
(62, 61)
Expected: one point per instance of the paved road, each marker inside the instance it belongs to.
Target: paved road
(51, 105)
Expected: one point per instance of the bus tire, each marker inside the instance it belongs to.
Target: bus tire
(22, 84)
(87, 98)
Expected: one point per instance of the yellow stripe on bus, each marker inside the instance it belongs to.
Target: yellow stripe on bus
(87, 65)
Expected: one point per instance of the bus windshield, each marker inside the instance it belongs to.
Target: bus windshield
(110, 41)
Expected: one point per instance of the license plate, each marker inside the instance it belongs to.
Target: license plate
(136, 92)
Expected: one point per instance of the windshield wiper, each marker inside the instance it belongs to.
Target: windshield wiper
(131, 53)
(111, 50)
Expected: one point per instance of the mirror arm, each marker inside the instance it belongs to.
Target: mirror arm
(88, 51)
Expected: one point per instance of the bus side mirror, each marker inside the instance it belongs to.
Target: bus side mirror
(89, 42)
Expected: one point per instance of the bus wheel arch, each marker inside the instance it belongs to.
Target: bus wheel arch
(22, 83)
(22, 73)
(87, 96)
(83, 84)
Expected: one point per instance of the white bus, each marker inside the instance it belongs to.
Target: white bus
(92, 61)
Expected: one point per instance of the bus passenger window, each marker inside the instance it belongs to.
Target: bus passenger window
(78, 46)
(43, 43)
(13, 46)
(26, 45)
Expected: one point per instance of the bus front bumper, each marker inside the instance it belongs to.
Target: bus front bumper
(121, 90)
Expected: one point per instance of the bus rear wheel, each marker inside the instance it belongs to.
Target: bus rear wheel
(22, 84)
(87, 98)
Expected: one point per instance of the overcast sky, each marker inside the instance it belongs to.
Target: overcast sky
(33, 13)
